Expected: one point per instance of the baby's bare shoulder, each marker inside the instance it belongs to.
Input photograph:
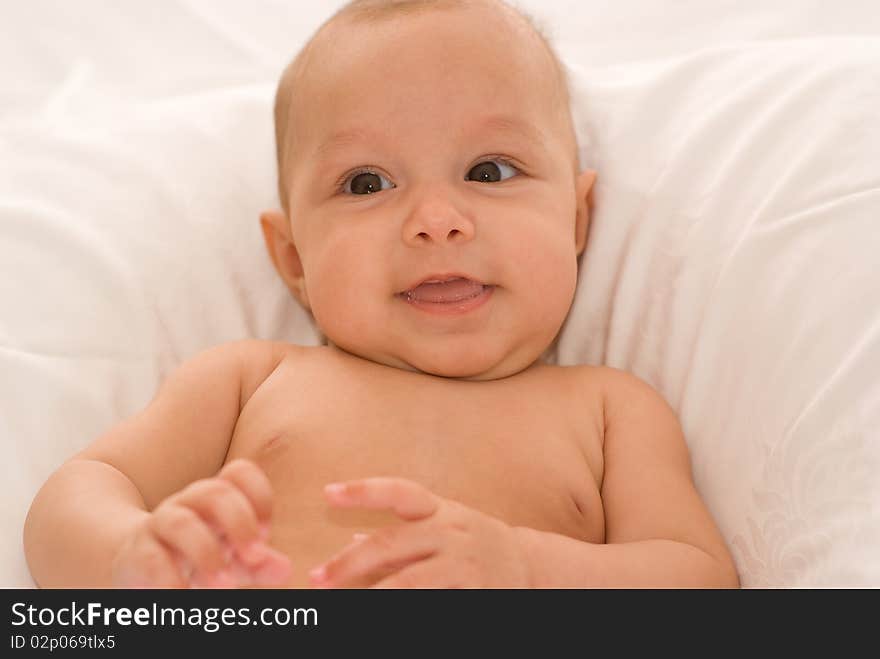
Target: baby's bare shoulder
(257, 360)
(611, 384)
(588, 381)
(616, 396)
(635, 415)
(246, 363)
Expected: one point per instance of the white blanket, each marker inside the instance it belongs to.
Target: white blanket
(732, 260)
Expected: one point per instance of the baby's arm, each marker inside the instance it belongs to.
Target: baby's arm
(101, 501)
(658, 531)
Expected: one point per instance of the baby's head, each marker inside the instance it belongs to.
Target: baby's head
(422, 141)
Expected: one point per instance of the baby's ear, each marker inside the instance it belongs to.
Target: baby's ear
(282, 251)
(584, 198)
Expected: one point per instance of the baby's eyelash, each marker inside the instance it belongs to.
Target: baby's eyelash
(504, 160)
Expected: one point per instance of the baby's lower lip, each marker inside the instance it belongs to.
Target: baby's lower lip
(451, 308)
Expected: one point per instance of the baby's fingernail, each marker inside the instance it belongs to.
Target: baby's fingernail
(264, 532)
(334, 488)
(358, 537)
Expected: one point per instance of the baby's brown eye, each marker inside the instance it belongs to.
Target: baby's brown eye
(491, 171)
(367, 183)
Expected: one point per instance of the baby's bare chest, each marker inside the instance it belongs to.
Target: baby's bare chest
(511, 449)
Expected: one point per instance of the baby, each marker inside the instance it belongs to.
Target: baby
(433, 216)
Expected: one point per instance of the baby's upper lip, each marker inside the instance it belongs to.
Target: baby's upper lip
(442, 277)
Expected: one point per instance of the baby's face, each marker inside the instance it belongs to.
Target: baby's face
(425, 148)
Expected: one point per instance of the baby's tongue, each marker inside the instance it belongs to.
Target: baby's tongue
(454, 290)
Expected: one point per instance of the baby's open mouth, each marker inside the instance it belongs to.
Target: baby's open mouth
(445, 291)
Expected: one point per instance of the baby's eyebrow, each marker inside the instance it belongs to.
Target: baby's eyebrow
(496, 123)
(503, 123)
(346, 138)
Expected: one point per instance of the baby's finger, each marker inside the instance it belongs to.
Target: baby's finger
(187, 534)
(273, 569)
(253, 483)
(224, 508)
(388, 549)
(407, 499)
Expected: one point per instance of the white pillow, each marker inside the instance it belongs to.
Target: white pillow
(125, 248)
(733, 264)
(129, 241)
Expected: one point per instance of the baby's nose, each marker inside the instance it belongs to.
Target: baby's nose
(437, 220)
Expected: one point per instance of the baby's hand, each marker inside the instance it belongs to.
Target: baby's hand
(442, 543)
(211, 533)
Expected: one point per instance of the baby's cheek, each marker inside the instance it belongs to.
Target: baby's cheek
(552, 285)
(344, 309)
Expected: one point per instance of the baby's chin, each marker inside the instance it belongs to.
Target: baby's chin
(478, 366)
(470, 370)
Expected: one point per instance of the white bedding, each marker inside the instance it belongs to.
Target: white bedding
(732, 260)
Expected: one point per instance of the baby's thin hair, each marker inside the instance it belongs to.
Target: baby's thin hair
(376, 10)
(371, 11)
